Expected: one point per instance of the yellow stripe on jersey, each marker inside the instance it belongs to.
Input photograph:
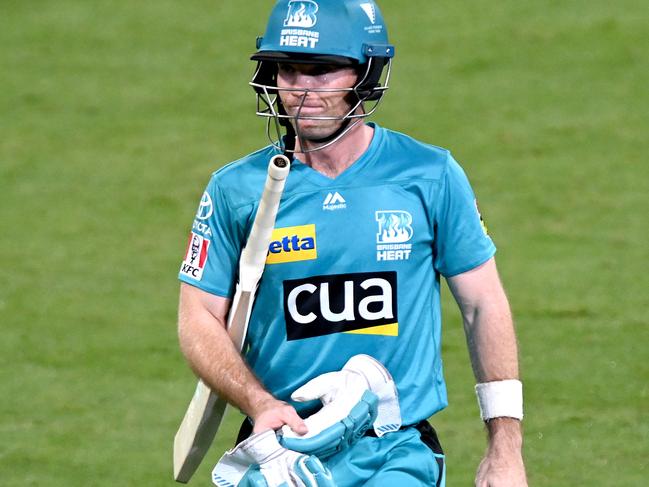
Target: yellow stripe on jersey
(391, 330)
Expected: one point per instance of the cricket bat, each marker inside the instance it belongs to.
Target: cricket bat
(206, 410)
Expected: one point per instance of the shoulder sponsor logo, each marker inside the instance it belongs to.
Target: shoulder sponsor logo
(292, 244)
(195, 257)
(359, 302)
(334, 201)
(301, 15)
(202, 228)
(205, 207)
(482, 222)
(394, 231)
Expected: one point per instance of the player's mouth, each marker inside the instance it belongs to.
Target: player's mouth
(307, 110)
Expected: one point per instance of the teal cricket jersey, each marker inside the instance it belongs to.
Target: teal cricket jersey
(354, 265)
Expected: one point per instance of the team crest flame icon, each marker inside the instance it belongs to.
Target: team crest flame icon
(394, 226)
(301, 14)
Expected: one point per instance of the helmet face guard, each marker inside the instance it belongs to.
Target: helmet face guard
(363, 99)
(346, 33)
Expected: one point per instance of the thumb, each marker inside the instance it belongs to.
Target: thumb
(297, 424)
(316, 388)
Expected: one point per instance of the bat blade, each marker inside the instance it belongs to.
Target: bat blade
(206, 409)
(197, 430)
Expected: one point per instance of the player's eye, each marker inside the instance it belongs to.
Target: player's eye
(285, 69)
(321, 70)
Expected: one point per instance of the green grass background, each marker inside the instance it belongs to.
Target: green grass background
(114, 113)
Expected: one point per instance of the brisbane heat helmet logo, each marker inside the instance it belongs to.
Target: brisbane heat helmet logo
(301, 14)
(300, 18)
(364, 302)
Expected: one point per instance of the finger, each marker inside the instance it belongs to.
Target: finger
(273, 418)
(267, 423)
(294, 422)
(315, 388)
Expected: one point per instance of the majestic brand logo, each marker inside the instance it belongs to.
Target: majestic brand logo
(334, 201)
(205, 207)
(369, 9)
(395, 229)
(195, 257)
(321, 305)
(292, 244)
(301, 14)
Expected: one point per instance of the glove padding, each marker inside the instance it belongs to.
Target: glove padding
(260, 461)
(307, 471)
(349, 398)
(324, 439)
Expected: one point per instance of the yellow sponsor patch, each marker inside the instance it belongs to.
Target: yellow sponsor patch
(391, 330)
(292, 244)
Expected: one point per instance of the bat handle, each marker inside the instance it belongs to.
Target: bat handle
(254, 254)
(277, 168)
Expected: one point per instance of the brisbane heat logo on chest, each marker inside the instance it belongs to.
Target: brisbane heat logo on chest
(394, 232)
(364, 302)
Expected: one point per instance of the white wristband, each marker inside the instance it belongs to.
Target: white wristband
(501, 398)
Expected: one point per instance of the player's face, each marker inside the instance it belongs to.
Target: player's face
(315, 104)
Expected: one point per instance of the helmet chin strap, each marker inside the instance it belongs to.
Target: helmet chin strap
(289, 139)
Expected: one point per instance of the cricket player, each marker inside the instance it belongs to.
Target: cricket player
(342, 366)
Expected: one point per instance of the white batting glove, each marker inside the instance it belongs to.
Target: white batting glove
(260, 461)
(362, 381)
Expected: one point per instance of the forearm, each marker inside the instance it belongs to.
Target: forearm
(492, 345)
(491, 340)
(212, 356)
(494, 357)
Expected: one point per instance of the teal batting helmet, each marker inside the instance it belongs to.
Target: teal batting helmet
(332, 32)
(326, 31)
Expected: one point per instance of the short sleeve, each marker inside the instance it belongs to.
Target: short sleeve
(461, 240)
(214, 244)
